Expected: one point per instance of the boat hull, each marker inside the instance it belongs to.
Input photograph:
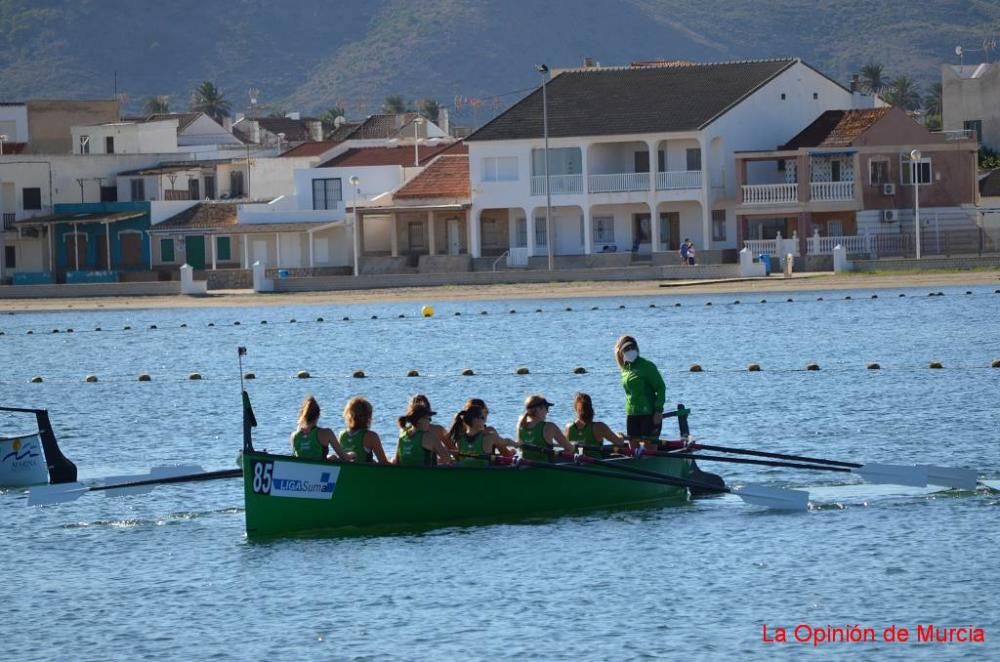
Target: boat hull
(286, 495)
(22, 462)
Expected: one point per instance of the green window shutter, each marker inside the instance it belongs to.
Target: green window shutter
(222, 248)
(166, 250)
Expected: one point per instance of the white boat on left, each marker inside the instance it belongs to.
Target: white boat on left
(33, 458)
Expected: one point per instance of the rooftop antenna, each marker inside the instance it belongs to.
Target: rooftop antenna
(961, 55)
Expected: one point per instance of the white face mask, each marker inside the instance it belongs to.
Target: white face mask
(630, 355)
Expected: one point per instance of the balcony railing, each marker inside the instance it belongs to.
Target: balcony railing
(674, 179)
(831, 191)
(618, 182)
(561, 184)
(770, 194)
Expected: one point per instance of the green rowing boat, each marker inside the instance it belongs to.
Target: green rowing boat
(286, 495)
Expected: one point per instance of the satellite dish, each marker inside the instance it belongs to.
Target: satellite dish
(958, 51)
(338, 121)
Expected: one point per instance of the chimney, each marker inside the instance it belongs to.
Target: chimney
(227, 124)
(444, 121)
(315, 128)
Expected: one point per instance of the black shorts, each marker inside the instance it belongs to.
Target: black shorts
(641, 425)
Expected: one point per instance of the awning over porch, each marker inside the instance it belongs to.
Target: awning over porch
(93, 217)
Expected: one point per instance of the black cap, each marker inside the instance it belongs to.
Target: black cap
(421, 412)
(536, 401)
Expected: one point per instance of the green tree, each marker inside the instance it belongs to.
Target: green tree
(156, 105)
(904, 93)
(210, 100)
(429, 108)
(331, 115)
(872, 77)
(933, 99)
(395, 104)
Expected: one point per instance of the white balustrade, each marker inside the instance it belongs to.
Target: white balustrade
(770, 194)
(831, 192)
(761, 246)
(518, 257)
(619, 182)
(561, 184)
(673, 179)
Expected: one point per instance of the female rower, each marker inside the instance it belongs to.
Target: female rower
(585, 432)
(357, 438)
(538, 436)
(417, 443)
(476, 443)
(645, 392)
(479, 402)
(310, 441)
(421, 400)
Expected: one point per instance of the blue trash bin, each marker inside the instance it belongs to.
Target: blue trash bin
(282, 273)
(765, 259)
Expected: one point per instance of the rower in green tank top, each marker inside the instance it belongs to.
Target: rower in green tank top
(534, 432)
(477, 445)
(586, 433)
(357, 438)
(417, 444)
(311, 442)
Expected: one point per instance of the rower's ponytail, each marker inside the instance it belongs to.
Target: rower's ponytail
(456, 425)
(308, 412)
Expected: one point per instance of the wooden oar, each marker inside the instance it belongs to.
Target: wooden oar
(895, 474)
(63, 492)
(758, 495)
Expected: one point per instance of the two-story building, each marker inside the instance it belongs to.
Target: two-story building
(970, 100)
(640, 158)
(848, 175)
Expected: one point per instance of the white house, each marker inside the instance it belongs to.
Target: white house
(640, 157)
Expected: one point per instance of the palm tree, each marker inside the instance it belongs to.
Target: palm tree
(430, 109)
(156, 105)
(331, 115)
(933, 99)
(210, 100)
(394, 104)
(872, 77)
(903, 93)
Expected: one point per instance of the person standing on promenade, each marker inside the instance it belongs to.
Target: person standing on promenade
(645, 392)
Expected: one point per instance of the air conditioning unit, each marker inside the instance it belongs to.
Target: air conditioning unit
(888, 189)
(890, 215)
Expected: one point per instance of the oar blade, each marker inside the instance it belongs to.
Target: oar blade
(778, 498)
(955, 477)
(894, 474)
(44, 495)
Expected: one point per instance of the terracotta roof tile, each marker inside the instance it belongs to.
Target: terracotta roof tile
(837, 128)
(202, 215)
(311, 149)
(446, 177)
(398, 156)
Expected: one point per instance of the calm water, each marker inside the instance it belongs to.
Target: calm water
(170, 575)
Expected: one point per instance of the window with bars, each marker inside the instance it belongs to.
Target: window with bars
(327, 193)
(604, 229)
(540, 236)
(718, 225)
(878, 171)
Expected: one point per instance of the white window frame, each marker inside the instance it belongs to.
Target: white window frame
(603, 229)
(325, 202)
(499, 169)
(521, 233)
(888, 171)
(85, 144)
(160, 247)
(906, 168)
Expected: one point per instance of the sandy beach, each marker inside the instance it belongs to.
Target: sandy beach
(797, 283)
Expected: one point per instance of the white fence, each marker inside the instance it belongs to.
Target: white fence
(831, 191)
(770, 194)
(674, 179)
(518, 257)
(561, 184)
(618, 182)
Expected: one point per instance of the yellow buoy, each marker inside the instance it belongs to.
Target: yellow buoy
(695, 367)
(579, 370)
(303, 374)
(36, 380)
(427, 311)
(250, 375)
(996, 363)
(754, 367)
(936, 365)
(195, 375)
(144, 377)
(874, 366)
(90, 379)
(812, 366)
(358, 374)
(522, 371)
(412, 373)
(468, 372)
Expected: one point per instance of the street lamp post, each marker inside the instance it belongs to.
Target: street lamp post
(915, 179)
(549, 248)
(355, 182)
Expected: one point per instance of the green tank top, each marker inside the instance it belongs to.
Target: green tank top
(534, 436)
(472, 446)
(410, 449)
(355, 442)
(584, 437)
(307, 445)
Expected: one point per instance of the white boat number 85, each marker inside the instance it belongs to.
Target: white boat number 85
(262, 477)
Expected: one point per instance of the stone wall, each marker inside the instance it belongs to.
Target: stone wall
(227, 279)
(444, 263)
(902, 264)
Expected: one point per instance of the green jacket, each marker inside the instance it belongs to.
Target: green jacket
(645, 391)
